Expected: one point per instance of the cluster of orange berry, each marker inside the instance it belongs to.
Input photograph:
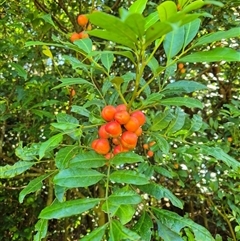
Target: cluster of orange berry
(147, 147)
(120, 133)
(82, 20)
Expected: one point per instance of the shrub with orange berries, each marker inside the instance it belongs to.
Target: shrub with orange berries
(120, 132)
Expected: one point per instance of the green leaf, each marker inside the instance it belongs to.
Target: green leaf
(128, 176)
(64, 155)
(138, 6)
(160, 192)
(49, 144)
(219, 154)
(80, 110)
(107, 60)
(72, 81)
(182, 101)
(65, 126)
(20, 70)
(175, 223)
(84, 44)
(152, 99)
(193, 6)
(162, 120)
(162, 144)
(144, 226)
(120, 233)
(190, 31)
(150, 20)
(87, 160)
(212, 37)
(173, 42)
(167, 234)
(166, 10)
(125, 213)
(33, 186)
(16, 169)
(196, 123)
(126, 157)
(41, 227)
(48, 19)
(96, 234)
(214, 55)
(136, 22)
(77, 177)
(60, 192)
(122, 196)
(27, 153)
(185, 86)
(66, 122)
(177, 123)
(69, 208)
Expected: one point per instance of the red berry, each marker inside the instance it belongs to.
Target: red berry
(108, 112)
(132, 124)
(140, 117)
(121, 107)
(82, 20)
(101, 146)
(102, 132)
(129, 139)
(150, 153)
(122, 117)
(113, 128)
(83, 35)
(138, 132)
(74, 37)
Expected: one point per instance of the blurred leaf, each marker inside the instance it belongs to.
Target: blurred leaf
(87, 160)
(125, 213)
(77, 177)
(20, 70)
(19, 167)
(48, 19)
(177, 123)
(84, 44)
(160, 192)
(175, 223)
(46, 51)
(138, 6)
(72, 81)
(136, 22)
(214, 55)
(151, 19)
(68, 208)
(59, 192)
(161, 120)
(41, 227)
(80, 110)
(144, 226)
(196, 123)
(65, 126)
(49, 144)
(162, 144)
(182, 101)
(96, 234)
(27, 153)
(166, 10)
(107, 60)
(64, 155)
(128, 176)
(152, 99)
(33, 186)
(127, 157)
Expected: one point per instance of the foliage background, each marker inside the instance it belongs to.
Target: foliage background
(28, 104)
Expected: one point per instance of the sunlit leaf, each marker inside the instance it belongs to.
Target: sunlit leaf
(136, 22)
(177, 123)
(125, 213)
(41, 227)
(20, 70)
(182, 101)
(166, 10)
(46, 51)
(138, 6)
(162, 120)
(84, 44)
(96, 234)
(127, 157)
(72, 81)
(107, 60)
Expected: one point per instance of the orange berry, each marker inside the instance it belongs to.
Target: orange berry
(140, 116)
(230, 139)
(145, 146)
(150, 153)
(119, 148)
(132, 124)
(82, 20)
(74, 37)
(152, 143)
(116, 141)
(83, 35)
(121, 107)
(109, 155)
(180, 66)
(122, 117)
(108, 112)
(102, 132)
(113, 128)
(183, 71)
(138, 132)
(101, 146)
(129, 140)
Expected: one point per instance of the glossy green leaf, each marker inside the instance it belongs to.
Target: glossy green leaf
(166, 10)
(125, 213)
(107, 60)
(162, 144)
(182, 101)
(114, 37)
(33, 186)
(77, 177)
(126, 157)
(96, 234)
(72, 81)
(87, 160)
(41, 227)
(76, 63)
(177, 123)
(162, 120)
(64, 126)
(17, 168)
(84, 44)
(64, 155)
(65, 118)
(190, 31)
(144, 226)
(119, 233)
(50, 144)
(173, 42)
(136, 22)
(80, 110)
(138, 6)
(218, 36)
(196, 123)
(20, 70)
(186, 86)
(60, 193)
(69, 208)
(175, 223)
(214, 55)
(153, 98)
(151, 19)
(153, 65)
(167, 234)
(193, 6)
(160, 192)
(219, 154)
(128, 176)
(27, 153)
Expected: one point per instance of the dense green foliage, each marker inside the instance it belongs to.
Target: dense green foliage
(52, 91)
